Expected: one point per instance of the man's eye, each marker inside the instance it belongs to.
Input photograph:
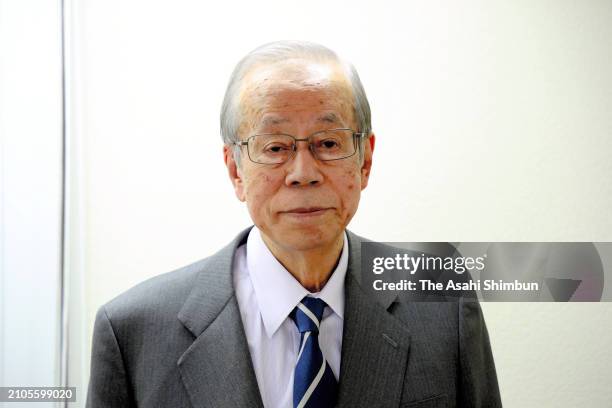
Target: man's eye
(329, 144)
(276, 148)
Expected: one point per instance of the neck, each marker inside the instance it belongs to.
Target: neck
(311, 267)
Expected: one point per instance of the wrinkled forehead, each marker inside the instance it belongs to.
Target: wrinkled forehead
(294, 84)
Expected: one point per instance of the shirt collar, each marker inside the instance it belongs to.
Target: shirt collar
(278, 292)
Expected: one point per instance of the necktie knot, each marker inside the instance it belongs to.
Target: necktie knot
(308, 313)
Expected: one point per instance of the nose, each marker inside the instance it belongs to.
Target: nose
(303, 168)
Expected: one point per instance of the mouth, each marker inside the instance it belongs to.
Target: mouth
(307, 211)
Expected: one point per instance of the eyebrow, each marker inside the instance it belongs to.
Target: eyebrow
(268, 121)
(328, 118)
(277, 120)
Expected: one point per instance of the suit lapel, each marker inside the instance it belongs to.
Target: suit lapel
(217, 369)
(374, 345)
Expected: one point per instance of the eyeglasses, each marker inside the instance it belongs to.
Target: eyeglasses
(325, 145)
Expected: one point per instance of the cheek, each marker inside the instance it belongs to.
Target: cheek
(350, 193)
(260, 188)
(351, 177)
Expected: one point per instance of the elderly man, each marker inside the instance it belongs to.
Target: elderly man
(279, 318)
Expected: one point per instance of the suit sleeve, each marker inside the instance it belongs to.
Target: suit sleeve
(478, 379)
(108, 382)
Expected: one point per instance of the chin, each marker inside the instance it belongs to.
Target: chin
(307, 238)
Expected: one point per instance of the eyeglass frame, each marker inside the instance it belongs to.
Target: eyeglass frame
(357, 136)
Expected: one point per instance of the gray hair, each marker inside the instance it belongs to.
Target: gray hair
(279, 51)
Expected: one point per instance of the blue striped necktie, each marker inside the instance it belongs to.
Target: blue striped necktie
(314, 384)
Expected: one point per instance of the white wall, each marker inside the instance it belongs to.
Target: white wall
(493, 124)
(30, 193)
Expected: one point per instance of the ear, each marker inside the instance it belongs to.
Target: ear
(366, 167)
(234, 172)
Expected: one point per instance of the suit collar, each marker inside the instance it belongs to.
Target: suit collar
(212, 289)
(384, 298)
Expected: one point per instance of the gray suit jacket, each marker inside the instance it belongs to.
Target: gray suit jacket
(177, 340)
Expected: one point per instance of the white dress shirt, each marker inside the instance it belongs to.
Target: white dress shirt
(267, 293)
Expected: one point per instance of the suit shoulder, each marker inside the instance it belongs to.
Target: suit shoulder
(160, 295)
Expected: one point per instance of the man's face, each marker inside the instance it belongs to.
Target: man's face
(302, 204)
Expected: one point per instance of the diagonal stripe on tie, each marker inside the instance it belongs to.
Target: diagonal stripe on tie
(312, 386)
(314, 383)
(305, 339)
